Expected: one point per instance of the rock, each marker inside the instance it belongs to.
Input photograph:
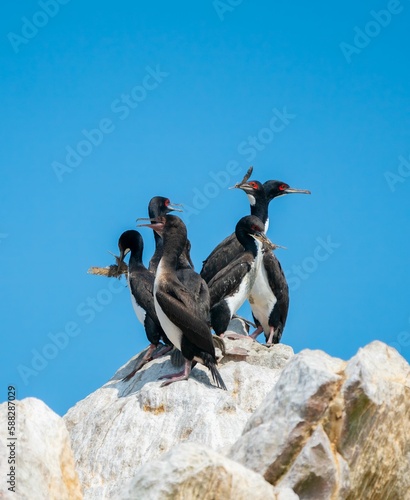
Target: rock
(375, 426)
(124, 425)
(334, 430)
(193, 471)
(307, 426)
(278, 430)
(45, 464)
(237, 325)
(316, 472)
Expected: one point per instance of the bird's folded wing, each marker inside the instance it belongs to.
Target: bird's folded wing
(221, 256)
(142, 286)
(227, 280)
(179, 307)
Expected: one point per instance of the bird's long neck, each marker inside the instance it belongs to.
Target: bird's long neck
(252, 246)
(260, 208)
(154, 213)
(248, 243)
(159, 248)
(173, 246)
(158, 242)
(184, 259)
(136, 258)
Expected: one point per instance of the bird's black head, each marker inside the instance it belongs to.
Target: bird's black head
(254, 190)
(174, 225)
(251, 224)
(167, 225)
(173, 233)
(159, 206)
(130, 241)
(274, 189)
(251, 228)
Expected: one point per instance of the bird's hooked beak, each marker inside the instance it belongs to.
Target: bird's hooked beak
(156, 223)
(245, 186)
(121, 266)
(244, 180)
(173, 207)
(120, 259)
(294, 190)
(266, 242)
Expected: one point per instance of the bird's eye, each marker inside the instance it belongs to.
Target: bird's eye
(254, 185)
(167, 202)
(282, 187)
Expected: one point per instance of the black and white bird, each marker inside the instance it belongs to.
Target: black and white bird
(231, 286)
(230, 247)
(183, 307)
(259, 196)
(141, 286)
(141, 280)
(269, 297)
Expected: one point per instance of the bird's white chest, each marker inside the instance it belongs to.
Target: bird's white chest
(242, 293)
(262, 299)
(139, 311)
(173, 332)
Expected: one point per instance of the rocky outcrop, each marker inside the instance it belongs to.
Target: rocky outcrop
(124, 425)
(305, 426)
(44, 460)
(335, 430)
(193, 471)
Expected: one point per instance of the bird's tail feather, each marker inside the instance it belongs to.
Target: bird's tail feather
(209, 362)
(177, 359)
(278, 333)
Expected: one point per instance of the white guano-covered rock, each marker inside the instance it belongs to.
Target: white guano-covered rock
(192, 471)
(335, 430)
(45, 465)
(277, 431)
(307, 426)
(124, 425)
(375, 426)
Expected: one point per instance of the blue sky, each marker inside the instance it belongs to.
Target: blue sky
(104, 108)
